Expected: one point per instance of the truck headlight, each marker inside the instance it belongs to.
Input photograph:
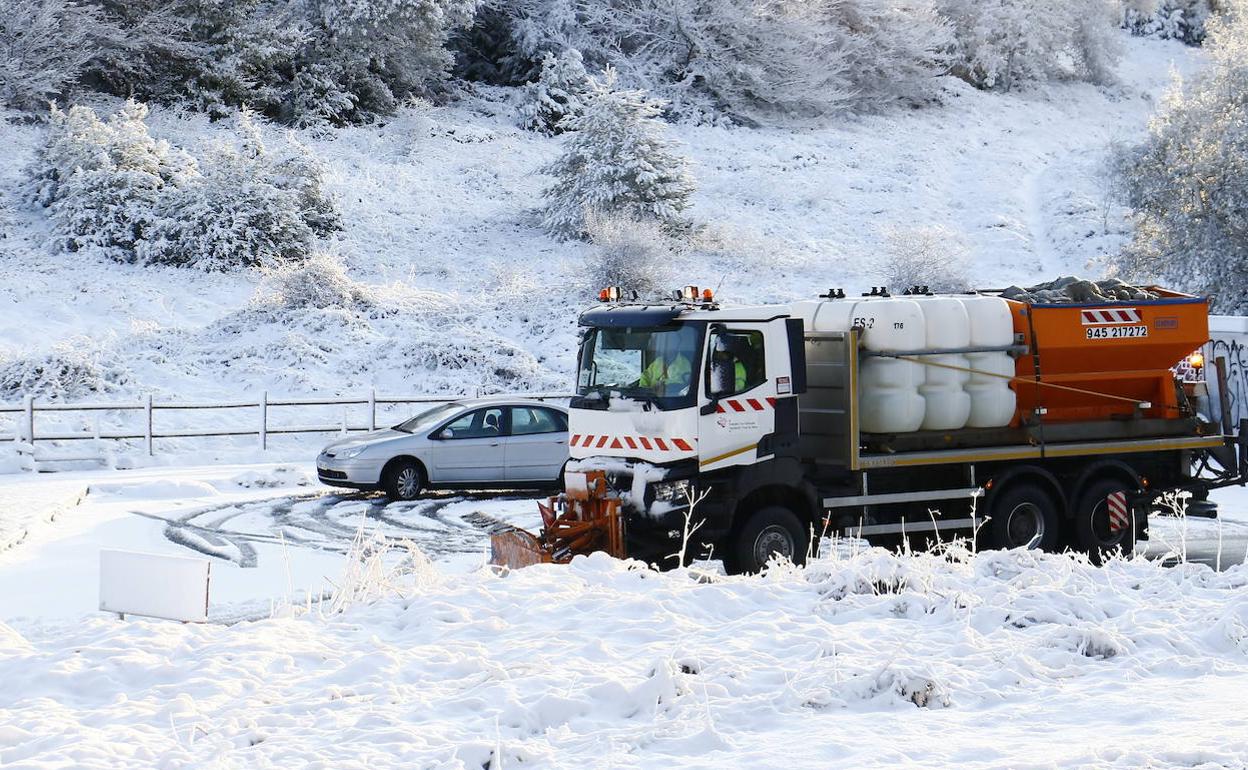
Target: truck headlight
(677, 492)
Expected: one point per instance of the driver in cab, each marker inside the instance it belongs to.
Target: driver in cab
(669, 374)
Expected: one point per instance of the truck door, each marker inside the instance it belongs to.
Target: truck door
(738, 401)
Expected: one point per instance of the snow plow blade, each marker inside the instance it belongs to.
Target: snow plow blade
(583, 520)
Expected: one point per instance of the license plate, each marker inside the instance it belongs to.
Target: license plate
(1116, 332)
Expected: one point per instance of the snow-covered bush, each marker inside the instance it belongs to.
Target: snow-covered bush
(248, 207)
(934, 256)
(617, 160)
(558, 92)
(634, 255)
(68, 373)
(101, 179)
(319, 282)
(1186, 182)
(1168, 19)
(752, 60)
(1005, 43)
(45, 46)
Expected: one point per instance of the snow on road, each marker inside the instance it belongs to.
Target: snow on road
(865, 659)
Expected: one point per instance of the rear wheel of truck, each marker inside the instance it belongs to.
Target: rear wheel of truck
(1104, 521)
(769, 532)
(1024, 515)
(402, 480)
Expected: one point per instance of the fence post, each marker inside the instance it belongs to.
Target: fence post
(344, 421)
(147, 433)
(30, 420)
(372, 409)
(264, 420)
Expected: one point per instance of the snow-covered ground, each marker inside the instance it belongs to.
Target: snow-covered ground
(864, 659)
(469, 294)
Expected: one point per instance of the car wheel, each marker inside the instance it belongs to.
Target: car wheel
(770, 531)
(403, 480)
(1104, 521)
(1024, 516)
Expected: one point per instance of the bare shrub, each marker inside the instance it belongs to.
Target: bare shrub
(320, 282)
(933, 255)
(635, 255)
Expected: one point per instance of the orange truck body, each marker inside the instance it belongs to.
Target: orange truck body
(1108, 359)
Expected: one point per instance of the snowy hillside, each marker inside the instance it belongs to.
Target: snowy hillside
(463, 291)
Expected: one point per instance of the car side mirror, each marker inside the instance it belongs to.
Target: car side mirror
(445, 433)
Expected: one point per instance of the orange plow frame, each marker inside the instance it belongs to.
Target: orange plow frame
(585, 519)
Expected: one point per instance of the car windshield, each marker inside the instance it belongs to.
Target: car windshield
(428, 417)
(652, 364)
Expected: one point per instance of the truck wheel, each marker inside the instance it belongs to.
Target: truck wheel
(1024, 516)
(768, 532)
(403, 480)
(1104, 522)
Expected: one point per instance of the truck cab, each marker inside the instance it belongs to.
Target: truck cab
(674, 401)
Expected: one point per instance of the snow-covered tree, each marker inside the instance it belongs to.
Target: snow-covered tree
(617, 160)
(754, 60)
(248, 207)
(1169, 19)
(1004, 43)
(1188, 182)
(45, 46)
(101, 179)
(557, 93)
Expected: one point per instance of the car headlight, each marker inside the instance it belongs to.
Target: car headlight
(353, 452)
(678, 491)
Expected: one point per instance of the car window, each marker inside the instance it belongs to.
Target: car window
(481, 423)
(527, 420)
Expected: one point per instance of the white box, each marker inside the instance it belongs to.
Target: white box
(172, 587)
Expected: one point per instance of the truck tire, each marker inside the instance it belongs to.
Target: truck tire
(773, 530)
(1024, 515)
(402, 480)
(1094, 531)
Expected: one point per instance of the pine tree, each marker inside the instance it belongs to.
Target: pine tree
(559, 92)
(617, 160)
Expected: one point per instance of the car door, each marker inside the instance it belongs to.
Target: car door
(538, 445)
(470, 448)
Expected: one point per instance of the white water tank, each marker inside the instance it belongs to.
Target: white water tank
(993, 401)
(947, 327)
(888, 388)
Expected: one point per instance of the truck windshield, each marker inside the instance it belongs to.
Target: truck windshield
(655, 364)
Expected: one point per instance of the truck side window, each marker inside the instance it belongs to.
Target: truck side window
(737, 363)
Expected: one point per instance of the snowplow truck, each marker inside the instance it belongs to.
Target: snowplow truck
(748, 433)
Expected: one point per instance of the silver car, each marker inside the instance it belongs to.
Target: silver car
(474, 443)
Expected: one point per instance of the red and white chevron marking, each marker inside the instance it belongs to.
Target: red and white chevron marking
(649, 443)
(746, 404)
(1110, 315)
(1119, 517)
